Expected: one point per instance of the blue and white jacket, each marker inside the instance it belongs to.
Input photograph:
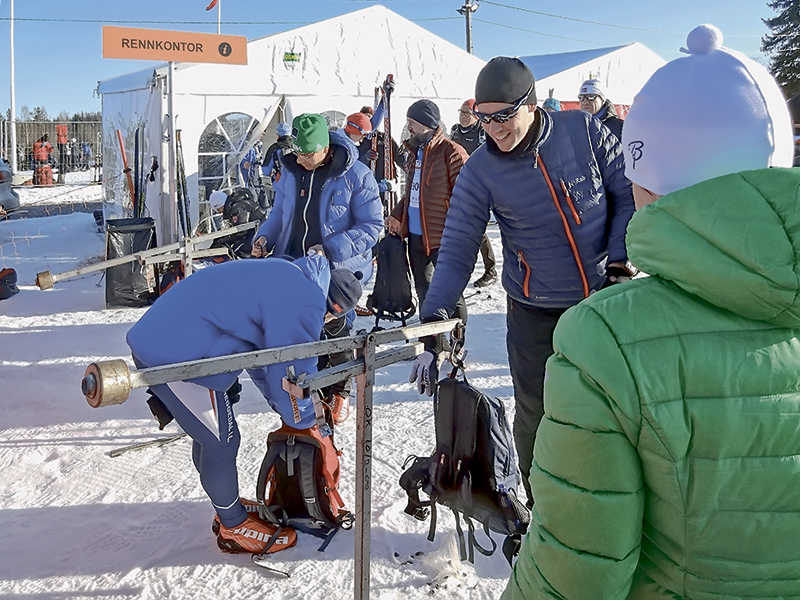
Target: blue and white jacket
(234, 307)
(351, 213)
(562, 203)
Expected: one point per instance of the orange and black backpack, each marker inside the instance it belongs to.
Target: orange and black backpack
(298, 484)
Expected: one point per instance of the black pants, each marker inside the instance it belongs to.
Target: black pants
(338, 328)
(487, 254)
(422, 267)
(529, 340)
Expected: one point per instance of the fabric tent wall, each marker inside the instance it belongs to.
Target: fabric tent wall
(622, 72)
(126, 112)
(330, 65)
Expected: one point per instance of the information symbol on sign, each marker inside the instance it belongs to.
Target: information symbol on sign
(225, 49)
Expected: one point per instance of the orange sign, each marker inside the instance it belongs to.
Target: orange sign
(184, 46)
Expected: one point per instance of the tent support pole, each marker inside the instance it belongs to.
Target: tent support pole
(172, 211)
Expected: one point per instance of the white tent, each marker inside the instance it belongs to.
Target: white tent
(332, 65)
(622, 70)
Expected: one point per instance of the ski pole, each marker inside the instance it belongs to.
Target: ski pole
(148, 444)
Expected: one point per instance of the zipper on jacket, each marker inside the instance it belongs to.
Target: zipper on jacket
(421, 212)
(527, 279)
(575, 214)
(305, 209)
(567, 229)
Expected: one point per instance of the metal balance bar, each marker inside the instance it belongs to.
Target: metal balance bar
(46, 280)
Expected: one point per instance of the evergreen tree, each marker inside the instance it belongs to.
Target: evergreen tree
(783, 45)
(40, 113)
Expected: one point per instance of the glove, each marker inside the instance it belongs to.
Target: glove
(385, 185)
(259, 247)
(618, 272)
(425, 373)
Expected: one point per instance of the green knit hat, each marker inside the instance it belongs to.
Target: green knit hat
(310, 133)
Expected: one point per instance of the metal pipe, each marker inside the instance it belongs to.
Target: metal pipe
(45, 280)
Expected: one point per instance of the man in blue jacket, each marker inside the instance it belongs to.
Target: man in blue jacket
(234, 307)
(325, 200)
(556, 185)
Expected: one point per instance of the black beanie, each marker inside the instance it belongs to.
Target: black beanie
(425, 113)
(506, 80)
(344, 291)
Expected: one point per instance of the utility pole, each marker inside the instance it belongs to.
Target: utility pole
(470, 6)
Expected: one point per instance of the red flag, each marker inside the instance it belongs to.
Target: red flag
(212, 5)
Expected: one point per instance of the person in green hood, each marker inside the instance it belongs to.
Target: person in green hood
(667, 464)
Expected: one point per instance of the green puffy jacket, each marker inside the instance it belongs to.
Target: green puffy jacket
(668, 461)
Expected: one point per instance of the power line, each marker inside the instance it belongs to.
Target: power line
(140, 22)
(531, 31)
(544, 14)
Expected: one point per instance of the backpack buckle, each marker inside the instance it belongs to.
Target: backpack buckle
(420, 513)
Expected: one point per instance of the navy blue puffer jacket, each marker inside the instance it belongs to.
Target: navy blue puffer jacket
(562, 204)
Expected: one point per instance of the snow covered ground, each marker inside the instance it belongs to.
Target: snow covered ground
(79, 524)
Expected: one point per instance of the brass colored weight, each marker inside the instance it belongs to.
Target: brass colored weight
(44, 280)
(106, 382)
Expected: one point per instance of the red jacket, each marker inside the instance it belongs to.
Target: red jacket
(441, 162)
(42, 150)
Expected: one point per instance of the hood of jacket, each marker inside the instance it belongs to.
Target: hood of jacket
(733, 241)
(344, 155)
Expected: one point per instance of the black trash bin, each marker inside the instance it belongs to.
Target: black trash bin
(131, 284)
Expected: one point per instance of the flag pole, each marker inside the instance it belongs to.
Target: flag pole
(13, 107)
(219, 16)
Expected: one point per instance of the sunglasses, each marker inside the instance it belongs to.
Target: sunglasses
(354, 126)
(588, 97)
(502, 116)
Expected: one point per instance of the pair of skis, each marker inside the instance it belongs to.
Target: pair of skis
(182, 190)
(382, 96)
(136, 177)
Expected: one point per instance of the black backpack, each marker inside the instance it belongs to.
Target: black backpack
(473, 470)
(391, 296)
(241, 207)
(298, 484)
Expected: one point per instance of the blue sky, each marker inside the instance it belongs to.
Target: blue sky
(58, 42)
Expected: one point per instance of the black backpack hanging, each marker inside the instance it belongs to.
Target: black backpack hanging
(391, 296)
(473, 470)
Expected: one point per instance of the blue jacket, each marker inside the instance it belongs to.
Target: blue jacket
(562, 203)
(239, 306)
(351, 212)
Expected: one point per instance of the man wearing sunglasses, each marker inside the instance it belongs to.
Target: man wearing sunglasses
(593, 100)
(556, 185)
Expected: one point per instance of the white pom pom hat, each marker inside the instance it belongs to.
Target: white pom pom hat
(711, 113)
